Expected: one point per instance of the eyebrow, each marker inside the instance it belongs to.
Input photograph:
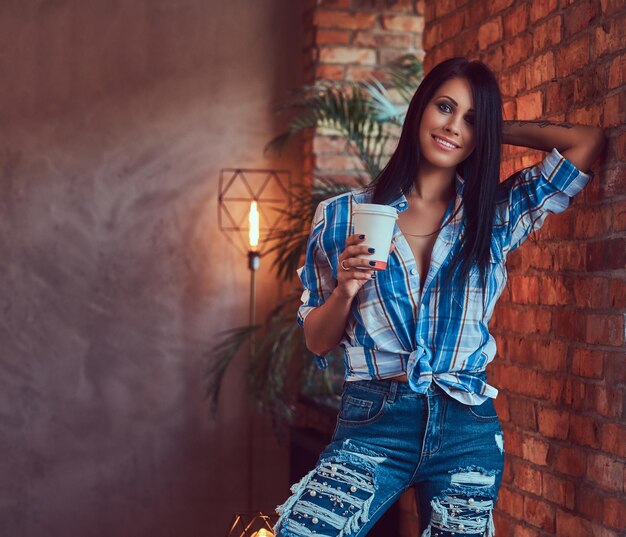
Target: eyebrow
(455, 103)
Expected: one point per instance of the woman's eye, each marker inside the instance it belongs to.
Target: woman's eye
(441, 105)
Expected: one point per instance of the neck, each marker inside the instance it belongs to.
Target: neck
(434, 185)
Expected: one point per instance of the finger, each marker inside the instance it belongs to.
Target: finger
(358, 249)
(361, 274)
(355, 238)
(359, 262)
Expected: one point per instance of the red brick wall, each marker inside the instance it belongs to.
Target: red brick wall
(353, 40)
(561, 365)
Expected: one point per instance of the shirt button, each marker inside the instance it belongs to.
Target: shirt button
(402, 205)
(413, 271)
(421, 341)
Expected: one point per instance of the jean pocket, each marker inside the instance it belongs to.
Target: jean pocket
(360, 406)
(483, 412)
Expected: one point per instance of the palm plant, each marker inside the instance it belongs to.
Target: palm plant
(366, 115)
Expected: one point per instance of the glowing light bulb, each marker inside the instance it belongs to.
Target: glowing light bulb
(263, 533)
(253, 219)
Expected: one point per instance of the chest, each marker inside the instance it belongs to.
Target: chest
(415, 222)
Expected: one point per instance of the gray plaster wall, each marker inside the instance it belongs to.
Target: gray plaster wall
(116, 117)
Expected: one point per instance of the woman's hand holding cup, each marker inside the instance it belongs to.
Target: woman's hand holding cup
(359, 269)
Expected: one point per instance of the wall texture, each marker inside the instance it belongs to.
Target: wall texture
(560, 322)
(114, 279)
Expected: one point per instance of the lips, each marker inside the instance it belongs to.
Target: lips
(442, 146)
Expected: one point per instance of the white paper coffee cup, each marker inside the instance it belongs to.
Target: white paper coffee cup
(377, 223)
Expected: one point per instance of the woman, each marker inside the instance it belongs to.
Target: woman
(416, 409)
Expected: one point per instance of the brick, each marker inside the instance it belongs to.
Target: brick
(608, 37)
(513, 82)
(584, 430)
(496, 6)
(553, 423)
(527, 478)
(571, 525)
(580, 17)
(573, 56)
(608, 7)
(524, 415)
(432, 35)
(607, 472)
(538, 256)
(539, 514)
(510, 502)
(503, 525)
(541, 9)
(587, 363)
(614, 107)
(383, 40)
(569, 324)
(490, 32)
(553, 291)
(540, 69)
(517, 48)
(591, 292)
(516, 20)
(403, 23)
(347, 55)
(338, 19)
(535, 450)
(617, 293)
(619, 215)
(571, 461)
(501, 404)
(615, 367)
(609, 254)
(558, 97)
(615, 513)
(525, 289)
(608, 402)
(524, 531)
(550, 355)
(329, 72)
(613, 181)
(558, 490)
(589, 114)
(591, 222)
(605, 329)
(529, 105)
(547, 34)
(333, 37)
(527, 321)
(616, 72)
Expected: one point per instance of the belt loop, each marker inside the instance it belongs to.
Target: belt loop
(393, 388)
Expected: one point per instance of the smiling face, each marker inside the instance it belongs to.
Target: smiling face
(449, 117)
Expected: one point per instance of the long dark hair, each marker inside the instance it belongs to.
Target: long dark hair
(480, 170)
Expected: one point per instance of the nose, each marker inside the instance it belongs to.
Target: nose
(451, 127)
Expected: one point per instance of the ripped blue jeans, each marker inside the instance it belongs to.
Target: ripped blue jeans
(389, 438)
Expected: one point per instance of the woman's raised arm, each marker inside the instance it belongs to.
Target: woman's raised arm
(580, 144)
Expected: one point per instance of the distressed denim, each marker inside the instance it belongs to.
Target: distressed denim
(389, 438)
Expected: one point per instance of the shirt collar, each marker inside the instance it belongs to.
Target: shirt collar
(401, 204)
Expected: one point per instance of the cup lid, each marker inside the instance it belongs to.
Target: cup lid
(375, 208)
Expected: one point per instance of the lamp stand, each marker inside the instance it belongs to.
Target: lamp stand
(254, 261)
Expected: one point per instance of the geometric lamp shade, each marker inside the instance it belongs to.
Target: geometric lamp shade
(271, 189)
(252, 525)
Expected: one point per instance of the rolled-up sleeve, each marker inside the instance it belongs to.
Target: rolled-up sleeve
(534, 192)
(316, 274)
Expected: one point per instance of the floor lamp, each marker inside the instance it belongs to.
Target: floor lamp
(251, 193)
